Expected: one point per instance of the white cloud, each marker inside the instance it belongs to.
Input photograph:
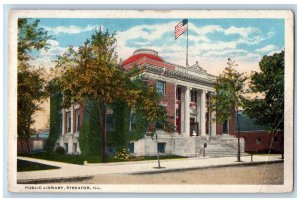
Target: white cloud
(54, 49)
(45, 57)
(229, 53)
(242, 31)
(267, 49)
(71, 29)
(254, 57)
(218, 45)
(200, 43)
(211, 55)
(53, 42)
(146, 32)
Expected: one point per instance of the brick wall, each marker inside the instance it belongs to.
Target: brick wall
(81, 116)
(260, 141)
(231, 125)
(170, 99)
(219, 130)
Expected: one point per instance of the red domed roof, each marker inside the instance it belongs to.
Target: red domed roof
(142, 53)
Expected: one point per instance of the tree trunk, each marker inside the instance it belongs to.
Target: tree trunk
(104, 155)
(21, 144)
(28, 144)
(238, 135)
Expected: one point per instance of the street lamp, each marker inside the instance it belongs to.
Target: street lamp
(157, 150)
(153, 135)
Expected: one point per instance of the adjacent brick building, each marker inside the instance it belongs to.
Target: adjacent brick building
(258, 138)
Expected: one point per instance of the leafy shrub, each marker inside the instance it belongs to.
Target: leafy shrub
(60, 150)
(125, 155)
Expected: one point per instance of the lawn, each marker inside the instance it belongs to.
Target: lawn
(31, 166)
(74, 159)
(78, 159)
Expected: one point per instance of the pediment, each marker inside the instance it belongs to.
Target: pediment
(196, 68)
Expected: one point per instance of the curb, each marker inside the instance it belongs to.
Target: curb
(53, 180)
(205, 167)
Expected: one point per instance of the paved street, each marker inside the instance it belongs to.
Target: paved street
(90, 170)
(257, 174)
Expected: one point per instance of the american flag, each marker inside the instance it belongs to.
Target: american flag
(181, 27)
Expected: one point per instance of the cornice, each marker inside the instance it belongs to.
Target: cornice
(178, 75)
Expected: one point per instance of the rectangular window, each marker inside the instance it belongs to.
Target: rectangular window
(74, 148)
(131, 147)
(110, 122)
(193, 96)
(161, 87)
(111, 149)
(132, 122)
(77, 120)
(225, 127)
(60, 122)
(66, 147)
(68, 122)
(258, 140)
(161, 147)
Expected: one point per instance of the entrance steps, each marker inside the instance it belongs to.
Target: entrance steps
(221, 146)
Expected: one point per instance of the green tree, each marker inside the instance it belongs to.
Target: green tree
(267, 107)
(227, 99)
(31, 83)
(92, 73)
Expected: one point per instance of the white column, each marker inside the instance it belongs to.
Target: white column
(72, 121)
(63, 122)
(203, 112)
(198, 111)
(187, 112)
(213, 124)
(182, 111)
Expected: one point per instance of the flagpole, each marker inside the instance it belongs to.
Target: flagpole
(187, 44)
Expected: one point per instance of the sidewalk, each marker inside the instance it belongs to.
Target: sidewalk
(69, 171)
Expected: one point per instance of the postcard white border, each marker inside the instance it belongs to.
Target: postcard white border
(289, 95)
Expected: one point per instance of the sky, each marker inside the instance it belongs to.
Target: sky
(211, 41)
